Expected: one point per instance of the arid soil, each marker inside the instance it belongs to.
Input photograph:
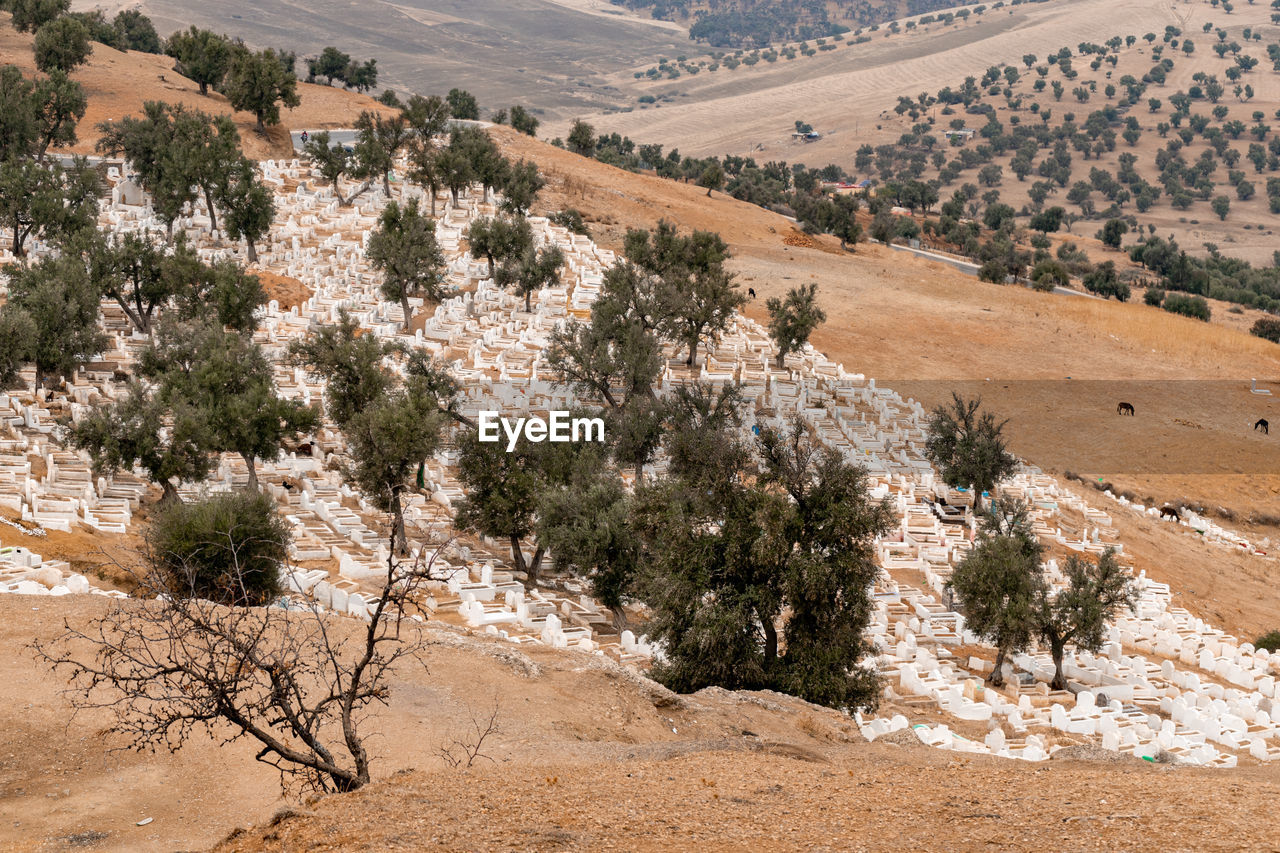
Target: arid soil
(584, 757)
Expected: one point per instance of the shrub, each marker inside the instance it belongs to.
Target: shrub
(227, 548)
(1188, 306)
(572, 219)
(1154, 296)
(1267, 328)
(1269, 641)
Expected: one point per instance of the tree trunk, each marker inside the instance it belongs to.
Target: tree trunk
(770, 639)
(204, 89)
(433, 189)
(996, 678)
(253, 252)
(213, 217)
(977, 500)
(17, 242)
(170, 494)
(408, 312)
(528, 295)
(386, 183)
(530, 569)
(249, 460)
(399, 537)
(781, 356)
(1059, 678)
(693, 353)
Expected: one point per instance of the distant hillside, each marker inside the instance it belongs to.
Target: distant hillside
(552, 55)
(758, 23)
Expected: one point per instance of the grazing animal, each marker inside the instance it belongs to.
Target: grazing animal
(751, 291)
(1170, 512)
(1262, 425)
(1124, 409)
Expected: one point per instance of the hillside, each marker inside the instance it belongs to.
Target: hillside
(588, 753)
(553, 55)
(117, 84)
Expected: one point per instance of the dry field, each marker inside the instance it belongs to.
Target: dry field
(551, 54)
(849, 94)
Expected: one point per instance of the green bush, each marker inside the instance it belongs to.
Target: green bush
(1187, 306)
(226, 548)
(1154, 297)
(1269, 641)
(1267, 328)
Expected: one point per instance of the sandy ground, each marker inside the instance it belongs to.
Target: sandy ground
(866, 797)
(583, 758)
(117, 84)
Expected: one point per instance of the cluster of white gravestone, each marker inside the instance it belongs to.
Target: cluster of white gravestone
(1164, 680)
(1208, 530)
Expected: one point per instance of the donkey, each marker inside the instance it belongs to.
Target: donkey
(1170, 512)
(1262, 425)
(1124, 409)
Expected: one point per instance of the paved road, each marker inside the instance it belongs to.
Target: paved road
(969, 268)
(348, 137)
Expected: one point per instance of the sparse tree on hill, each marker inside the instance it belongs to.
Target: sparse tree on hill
(999, 580)
(379, 141)
(299, 685)
(171, 443)
(136, 32)
(967, 447)
(1113, 231)
(462, 105)
(524, 121)
(712, 177)
(333, 161)
(531, 271)
(203, 56)
(427, 117)
(225, 378)
(46, 201)
(502, 496)
(404, 248)
(521, 188)
(387, 443)
(62, 45)
(728, 554)
(258, 83)
(30, 15)
(498, 239)
(56, 300)
(1078, 615)
(582, 139)
(248, 206)
(332, 64)
(350, 363)
(792, 320)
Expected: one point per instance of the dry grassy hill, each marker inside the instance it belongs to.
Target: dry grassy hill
(117, 83)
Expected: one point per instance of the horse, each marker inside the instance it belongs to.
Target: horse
(1262, 425)
(1124, 409)
(751, 291)
(1170, 512)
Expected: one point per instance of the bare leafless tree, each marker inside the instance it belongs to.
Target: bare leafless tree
(295, 679)
(465, 751)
